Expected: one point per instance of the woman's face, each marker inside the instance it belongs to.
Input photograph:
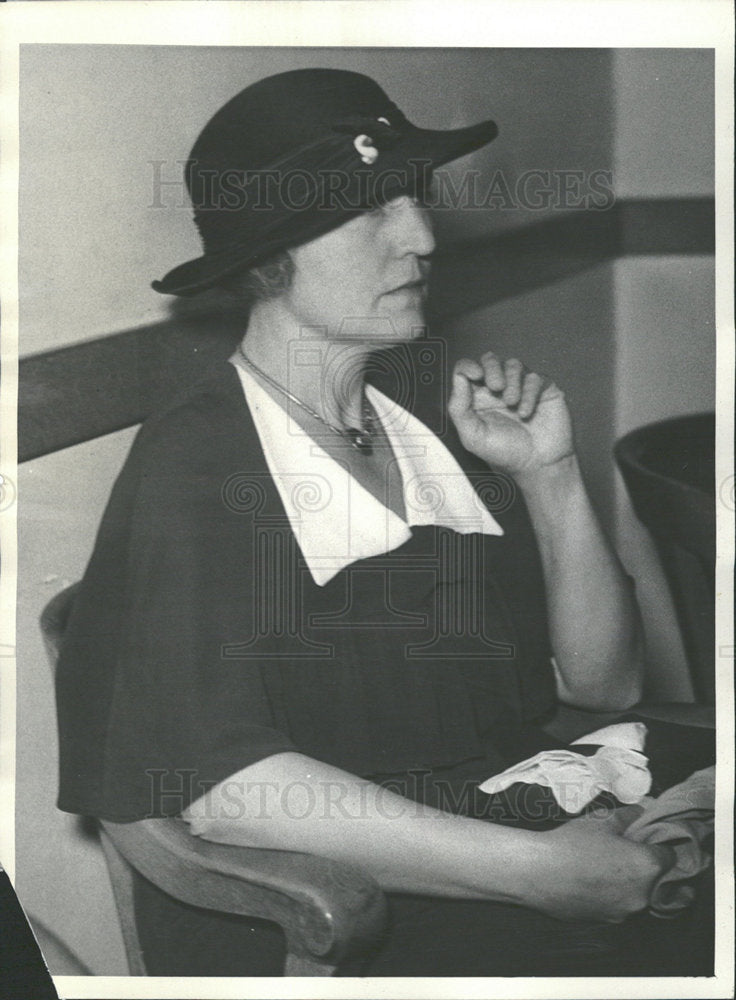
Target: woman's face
(367, 280)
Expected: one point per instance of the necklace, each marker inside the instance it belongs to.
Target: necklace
(361, 439)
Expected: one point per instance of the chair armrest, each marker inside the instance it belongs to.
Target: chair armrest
(569, 723)
(328, 910)
(681, 713)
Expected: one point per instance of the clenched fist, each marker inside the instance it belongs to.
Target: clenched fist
(508, 417)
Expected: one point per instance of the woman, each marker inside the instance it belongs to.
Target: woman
(298, 604)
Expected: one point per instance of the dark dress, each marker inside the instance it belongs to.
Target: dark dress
(200, 644)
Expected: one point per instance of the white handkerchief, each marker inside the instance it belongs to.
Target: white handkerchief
(618, 767)
(628, 735)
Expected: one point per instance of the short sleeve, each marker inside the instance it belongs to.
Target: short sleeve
(151, 712)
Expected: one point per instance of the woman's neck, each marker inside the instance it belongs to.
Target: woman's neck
(327, 375)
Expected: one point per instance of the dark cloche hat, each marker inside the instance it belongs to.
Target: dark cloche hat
(296, 155)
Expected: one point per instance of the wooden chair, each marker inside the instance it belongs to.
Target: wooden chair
(328, 911)
(669, 470)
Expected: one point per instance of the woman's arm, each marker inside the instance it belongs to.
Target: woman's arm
(505, 417)
(292, 802)
(595, 625)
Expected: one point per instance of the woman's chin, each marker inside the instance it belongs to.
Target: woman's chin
(382, 329)
(406, 325)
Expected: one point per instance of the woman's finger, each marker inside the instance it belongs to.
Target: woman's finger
(514, 371)
(530, 394)
(493, 373)
(470, 368)
(551, 391)
(461, 398)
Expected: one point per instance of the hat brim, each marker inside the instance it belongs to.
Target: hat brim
(429, 147)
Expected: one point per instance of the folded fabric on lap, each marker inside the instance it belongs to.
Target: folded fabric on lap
(576, 779)
(681, 818)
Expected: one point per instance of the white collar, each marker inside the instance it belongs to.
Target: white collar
(335, 520)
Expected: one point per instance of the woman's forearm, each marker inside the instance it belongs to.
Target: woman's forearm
(507, 417)
(294, 803)
(595, 624)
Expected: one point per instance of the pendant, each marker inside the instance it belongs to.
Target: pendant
(360, 440)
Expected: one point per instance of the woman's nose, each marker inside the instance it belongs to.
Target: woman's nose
(414, 229)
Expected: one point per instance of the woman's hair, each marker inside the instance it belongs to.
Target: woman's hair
(264, 281)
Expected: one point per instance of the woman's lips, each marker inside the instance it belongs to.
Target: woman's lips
(417, 286)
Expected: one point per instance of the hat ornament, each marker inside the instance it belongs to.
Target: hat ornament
(370, 135)
(365, 148)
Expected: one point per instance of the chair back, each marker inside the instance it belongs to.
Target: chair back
(669, 471)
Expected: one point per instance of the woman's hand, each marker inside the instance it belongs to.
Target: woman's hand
(588, 871)
(506, 415)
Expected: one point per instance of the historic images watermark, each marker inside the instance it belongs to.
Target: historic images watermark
(237, 799)
(298, 190)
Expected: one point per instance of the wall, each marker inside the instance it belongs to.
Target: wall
(665, 357)
(665, 115)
